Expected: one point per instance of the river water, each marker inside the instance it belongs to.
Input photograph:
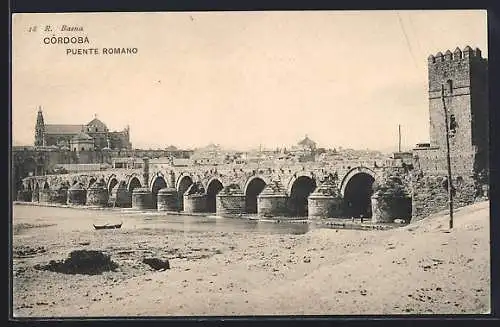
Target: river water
(81, 219)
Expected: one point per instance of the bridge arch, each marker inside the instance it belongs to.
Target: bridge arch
(183, 177)
(253, 187)
(183, 183)
(112, 181)
(356, 190)
(299, 189)
(133, 182)
(296, 176)
(159, 177)
(214, 186)
(351, 173)
(29, 166)
(156, 184)
(211, 178)
(92, 180)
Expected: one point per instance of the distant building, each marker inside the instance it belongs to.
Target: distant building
(307, 143)
(92, 136)
(305, 150)
(212, 154)
(405, 157)
(82, 142)
(181, 162)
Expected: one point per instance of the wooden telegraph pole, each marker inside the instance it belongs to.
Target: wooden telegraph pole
(448, 160)
(399, 138)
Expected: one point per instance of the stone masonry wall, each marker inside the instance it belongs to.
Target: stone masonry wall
(142, 199)
(97, 195)
(430, 194)
(195, 203)
(387, 209)
(230, 204)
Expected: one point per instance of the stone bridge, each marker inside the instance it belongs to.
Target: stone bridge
(293, 190)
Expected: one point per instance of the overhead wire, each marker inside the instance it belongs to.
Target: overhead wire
(407, 40)
(416, 37)
(410, 49)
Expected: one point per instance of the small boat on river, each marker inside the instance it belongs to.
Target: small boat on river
(108, 226)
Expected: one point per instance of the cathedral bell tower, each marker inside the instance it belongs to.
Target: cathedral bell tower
(40, 129)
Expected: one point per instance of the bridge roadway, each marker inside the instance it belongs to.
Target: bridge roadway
(352, 179)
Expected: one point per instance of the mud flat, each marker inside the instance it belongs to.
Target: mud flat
(249, 268)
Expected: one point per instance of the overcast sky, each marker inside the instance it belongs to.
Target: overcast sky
(240, 79)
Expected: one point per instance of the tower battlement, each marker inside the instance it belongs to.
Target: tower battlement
(467, 54)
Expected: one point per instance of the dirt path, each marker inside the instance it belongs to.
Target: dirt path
(414, 269)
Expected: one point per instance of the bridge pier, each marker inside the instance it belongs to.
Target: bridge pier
(61, 195)
(195, 199)
(194, 203)
(167, 199)
(324, 206)
(35, 195)
(325, 201)
(77, 194)
(142, 198)
(230, 201)
(97, 195)
(272, 201)
(24, 195)
(45, 195)
(120, 196)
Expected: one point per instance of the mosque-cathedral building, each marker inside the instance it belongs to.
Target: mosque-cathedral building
(93, 136)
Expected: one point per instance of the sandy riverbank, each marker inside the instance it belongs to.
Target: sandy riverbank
(413, 269)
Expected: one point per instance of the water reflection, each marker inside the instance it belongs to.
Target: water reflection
(82, 219)
(220, 224)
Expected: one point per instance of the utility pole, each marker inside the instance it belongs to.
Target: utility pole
(448, 160)
(260, 156)
(399, 138)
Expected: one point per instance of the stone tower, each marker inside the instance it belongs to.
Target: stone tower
(39, 129)
(461, 78)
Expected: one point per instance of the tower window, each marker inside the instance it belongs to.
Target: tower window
(453, 126)
(449, 85)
